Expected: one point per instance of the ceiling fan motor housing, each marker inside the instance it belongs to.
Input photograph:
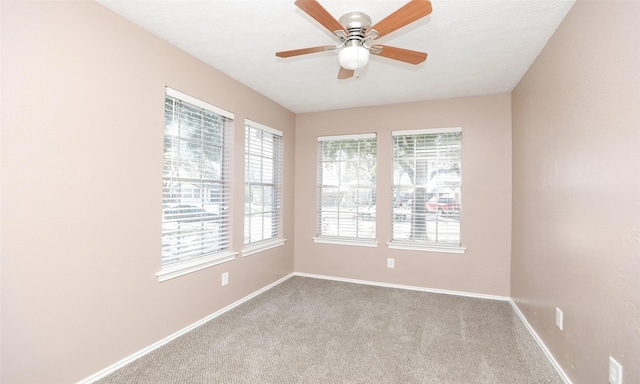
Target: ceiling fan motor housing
(356, 23)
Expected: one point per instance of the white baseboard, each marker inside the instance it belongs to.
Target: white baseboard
(538, 340)
(409, 287)
(181, 332)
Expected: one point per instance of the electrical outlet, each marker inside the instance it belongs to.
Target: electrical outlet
(225, 278)
(615, 371)
(391, 263)
(559, 318)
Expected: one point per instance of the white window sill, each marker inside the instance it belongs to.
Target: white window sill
(358, 243)
(180, 268)
(417, 246)
(250, 249)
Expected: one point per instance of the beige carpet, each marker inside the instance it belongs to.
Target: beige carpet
(316, 331)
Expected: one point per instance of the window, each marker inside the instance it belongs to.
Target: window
(196, 183)
(427, 189)
(262, 188)
(347, 189)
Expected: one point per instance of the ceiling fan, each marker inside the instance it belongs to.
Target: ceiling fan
(355, 32)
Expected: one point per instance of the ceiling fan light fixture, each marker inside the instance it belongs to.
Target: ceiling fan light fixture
(353, 57)
(355, 32)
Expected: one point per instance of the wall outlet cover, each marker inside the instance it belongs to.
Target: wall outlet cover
(615, 371)
(559, 318)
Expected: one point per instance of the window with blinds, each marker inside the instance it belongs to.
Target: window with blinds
(347, 188)
(263, 183)
(427, 186)
(196, 180)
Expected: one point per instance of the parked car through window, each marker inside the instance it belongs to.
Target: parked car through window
(443, 205)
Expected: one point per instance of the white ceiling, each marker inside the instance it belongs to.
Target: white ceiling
(475, 47)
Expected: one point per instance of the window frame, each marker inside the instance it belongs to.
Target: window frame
(222, 221)
(421, 245)
(276, 240)
(337, 239)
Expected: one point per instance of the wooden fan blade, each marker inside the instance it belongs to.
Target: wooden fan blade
(345, 73)
(410, 12)
(315, 10)
(401, 54)
(304, 51)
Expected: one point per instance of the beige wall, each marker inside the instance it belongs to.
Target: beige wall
(576, 191)
(486, 194)
(82, 128)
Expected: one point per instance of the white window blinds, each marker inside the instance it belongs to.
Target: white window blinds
(196, 179)
(263, 182)
(347, 187)
(427, 186)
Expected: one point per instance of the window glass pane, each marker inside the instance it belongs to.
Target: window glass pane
(263, 162)
(347, 188)
(267, 170)
(427, 187)
(195, 182)
(267, 198)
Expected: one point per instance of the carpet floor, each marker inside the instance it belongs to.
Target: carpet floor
(308, 330)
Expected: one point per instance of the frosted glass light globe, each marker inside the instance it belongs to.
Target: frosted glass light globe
(353, 57)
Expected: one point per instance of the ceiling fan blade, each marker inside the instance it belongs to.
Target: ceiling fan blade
(304, 51)
(401, 54)
(345, 73)
(315, 10)
(410, 12)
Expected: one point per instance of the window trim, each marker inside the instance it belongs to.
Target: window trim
(425, 246)
(355, 136)
(263, 245)
(198, 103)
(184, 267)
(345, 241)
(426, 131)
(263, 127)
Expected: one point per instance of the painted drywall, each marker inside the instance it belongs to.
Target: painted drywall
(576, 191)
(486, 195)
(82, 143)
